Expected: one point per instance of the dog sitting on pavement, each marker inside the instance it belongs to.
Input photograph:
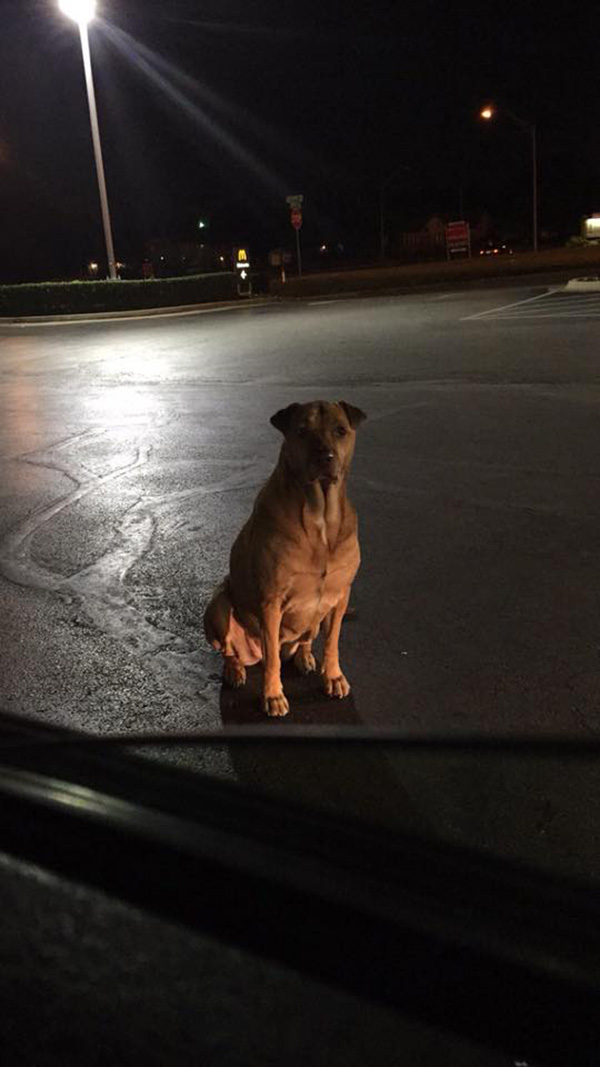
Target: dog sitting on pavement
(293, 563)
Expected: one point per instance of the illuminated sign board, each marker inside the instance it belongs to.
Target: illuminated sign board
(241, 259)
(591, 228)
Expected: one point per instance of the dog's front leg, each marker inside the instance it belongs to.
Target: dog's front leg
(334, 682)
(274, 702)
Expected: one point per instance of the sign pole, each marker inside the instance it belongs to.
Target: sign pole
(535, 207)
(298, 253)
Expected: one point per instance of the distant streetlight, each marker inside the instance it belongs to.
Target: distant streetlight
(489, 112)
(82, 12)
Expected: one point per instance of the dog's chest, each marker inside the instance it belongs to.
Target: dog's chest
(319, 581)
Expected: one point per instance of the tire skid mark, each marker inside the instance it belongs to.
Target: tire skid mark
(15, 552)
(99, 589)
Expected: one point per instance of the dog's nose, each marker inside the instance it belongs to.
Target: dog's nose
(324, 452)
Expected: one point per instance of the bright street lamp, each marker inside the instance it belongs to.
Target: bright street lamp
(79, 10)
(490, 112)
(82, 12)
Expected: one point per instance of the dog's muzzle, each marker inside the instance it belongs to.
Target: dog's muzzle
(326, 467)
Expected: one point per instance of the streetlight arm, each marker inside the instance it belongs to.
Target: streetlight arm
(522, 123)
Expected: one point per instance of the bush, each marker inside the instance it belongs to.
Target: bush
(71, 298)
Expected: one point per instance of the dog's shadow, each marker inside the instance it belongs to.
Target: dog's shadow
(353, 780)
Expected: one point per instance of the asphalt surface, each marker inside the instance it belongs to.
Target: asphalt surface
(131, 452)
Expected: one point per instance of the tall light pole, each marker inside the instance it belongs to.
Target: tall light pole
(489, 112)
(382, 187)
(82, 12)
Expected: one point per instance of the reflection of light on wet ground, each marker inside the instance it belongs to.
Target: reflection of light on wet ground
(123, 406)
(22, 428)
(137, 364)
(15, 351)
(21, 415)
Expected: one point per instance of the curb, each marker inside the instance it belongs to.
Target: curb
(545, 279)
(137, 313)
(584, 285)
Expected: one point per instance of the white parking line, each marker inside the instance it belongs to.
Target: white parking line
(505, 307)
(557, 304)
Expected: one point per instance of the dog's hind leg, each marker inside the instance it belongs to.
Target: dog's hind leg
(304, 661)
(218, 629)
(299, 651)
(288, 650)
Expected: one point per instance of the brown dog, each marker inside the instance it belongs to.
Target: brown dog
(293, 563)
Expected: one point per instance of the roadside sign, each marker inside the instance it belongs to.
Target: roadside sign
(458, 239)
(241, 259)
(457, 231)
(591, 227)
(280, 257)
(295, 205)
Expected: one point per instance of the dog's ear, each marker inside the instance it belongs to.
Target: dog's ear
(354, 415)
(281, 419)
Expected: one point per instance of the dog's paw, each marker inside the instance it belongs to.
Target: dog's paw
(337, 688)
(234, 674)
(275, 707)
(304, 661)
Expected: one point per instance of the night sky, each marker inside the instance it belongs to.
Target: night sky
(219, 109)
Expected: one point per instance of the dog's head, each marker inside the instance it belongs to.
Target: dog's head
(319, 439)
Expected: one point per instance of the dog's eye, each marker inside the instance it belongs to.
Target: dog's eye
(340, 431)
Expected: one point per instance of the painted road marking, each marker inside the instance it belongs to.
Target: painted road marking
(552, 304)
(505, 307)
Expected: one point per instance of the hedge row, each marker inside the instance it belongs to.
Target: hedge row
(72, 298)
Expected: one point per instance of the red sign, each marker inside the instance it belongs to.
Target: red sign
(457, 231)
(296, 219)
(458, 238)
